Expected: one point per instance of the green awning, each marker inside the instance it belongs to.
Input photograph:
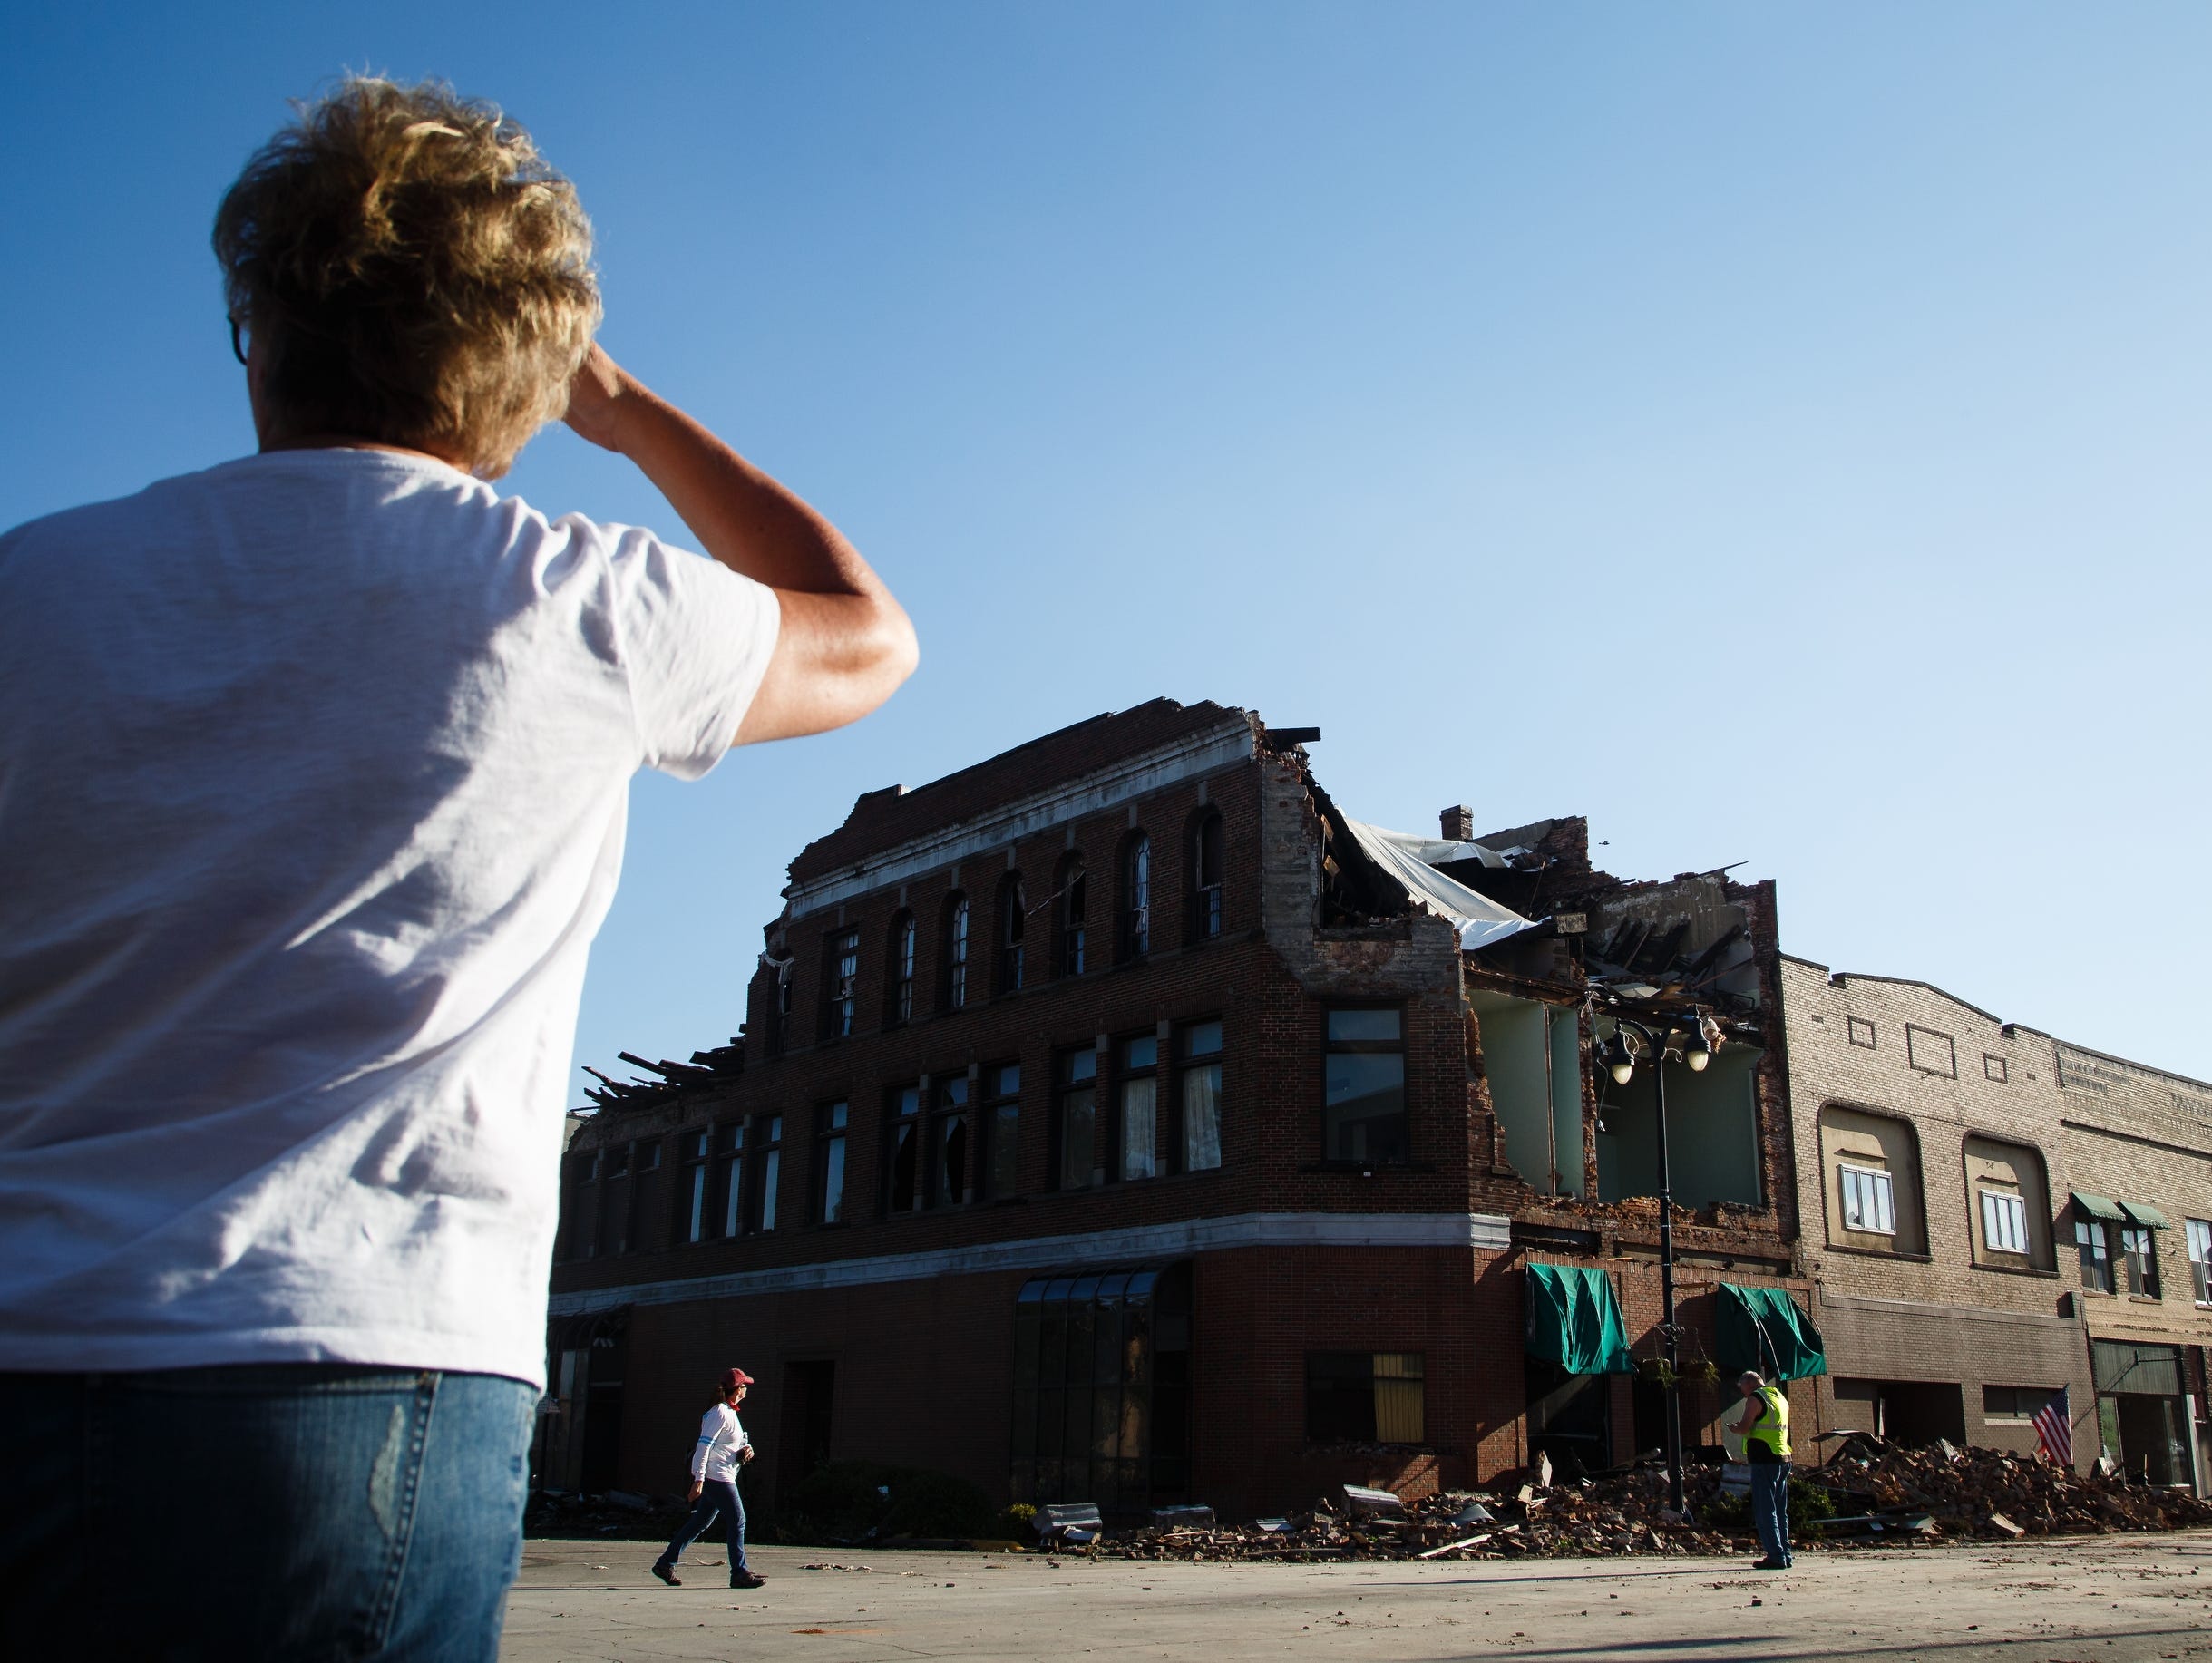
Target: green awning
(2145, 1214)
(1762, 1328)
(1575, 1321)
(2097, 1207)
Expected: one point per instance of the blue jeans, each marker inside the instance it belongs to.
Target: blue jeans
(270, 1512)
(717, 1495)
(1770, 1507)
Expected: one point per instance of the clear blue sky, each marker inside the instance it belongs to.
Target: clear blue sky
(1778, 433)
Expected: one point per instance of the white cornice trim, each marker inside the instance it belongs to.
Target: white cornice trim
(1481, 1231)
(1228, 741)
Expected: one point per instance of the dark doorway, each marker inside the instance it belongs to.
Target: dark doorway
(810, 1395)
(1909, 1412)
(603, 1414)
(1570, 1419)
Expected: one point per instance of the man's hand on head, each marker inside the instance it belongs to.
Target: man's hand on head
(595, 398)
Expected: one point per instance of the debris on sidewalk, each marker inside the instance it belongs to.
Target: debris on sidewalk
(1971, 1491)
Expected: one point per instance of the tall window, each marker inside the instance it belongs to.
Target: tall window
(770, 1164)
(903, 1179)
(1136, 897)
(1202, 1096)
(905, 938)
(1139, 1089)
(1205, 869)
(729, 1152)
(2199, 1234)
(2004, 1222)
(956, 953)
(1363, 1111)
(698, 1152)
(1070, 892)
(830, 1162)
(2140, 1250)
(1075, 1117)
(783, 985)
(949, 1140)
(1365, 1398)
(1002, 1130)
(2096, 1254)
(1869, 1200)
(583, 1204)
(843, 957)
(614, 1201)
(1013, 919)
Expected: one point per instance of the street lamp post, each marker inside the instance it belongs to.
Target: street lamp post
(1624, 1068)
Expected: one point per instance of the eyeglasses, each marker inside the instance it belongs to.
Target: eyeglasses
(238, 341)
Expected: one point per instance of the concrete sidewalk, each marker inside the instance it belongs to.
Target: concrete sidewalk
(2106, 1599)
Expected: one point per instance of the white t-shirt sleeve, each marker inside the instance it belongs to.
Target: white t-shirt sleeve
(696, 638)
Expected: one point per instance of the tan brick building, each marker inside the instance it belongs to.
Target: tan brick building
(1990, 1214)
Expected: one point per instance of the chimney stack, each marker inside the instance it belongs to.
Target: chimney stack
(1458, 824)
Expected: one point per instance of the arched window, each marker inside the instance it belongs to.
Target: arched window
(898, 962)
(1135, 936)
(1206, 881)
(955, 993)
(1013, 916)
(1068, 915)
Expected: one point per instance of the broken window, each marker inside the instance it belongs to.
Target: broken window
(1365, 1398)
(730, 1158)
(1076, 1118)
(1013, 918)
(770, 1166)
(842, 954)
(956, 952)
(1206, 877)
(1869, 1202)
(1139, 1079)
(1136, 897)
(905, 937)
(1532, 1055)
(1713, 1131)
(1002, 1130)
(2095, 1252)
(698, 1152)
(830, 1197)
(1070, 892)
(948, 1142)
(783, 1006)
(902, 1171)
(1201, 1097)
(1364, 1102)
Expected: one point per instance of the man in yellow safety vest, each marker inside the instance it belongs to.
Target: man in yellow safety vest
(1765, 1430)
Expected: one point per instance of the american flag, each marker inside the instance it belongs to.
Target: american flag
(2054, 1428)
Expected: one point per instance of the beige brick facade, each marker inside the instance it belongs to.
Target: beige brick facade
(1938, 1151)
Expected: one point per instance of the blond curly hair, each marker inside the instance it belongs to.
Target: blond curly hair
(412, 271)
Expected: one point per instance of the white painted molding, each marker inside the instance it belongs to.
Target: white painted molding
(1481, 1231)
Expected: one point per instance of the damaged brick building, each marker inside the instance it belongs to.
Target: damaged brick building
(1119, 1120)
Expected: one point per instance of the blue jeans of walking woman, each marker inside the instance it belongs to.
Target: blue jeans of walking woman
(276, 1512)
(1770, 1508)
(717, 1495)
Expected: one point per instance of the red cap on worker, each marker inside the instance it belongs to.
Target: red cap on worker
(732, 1379)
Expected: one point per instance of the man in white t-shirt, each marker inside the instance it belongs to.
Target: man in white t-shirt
(721, 1449)
(314, 769)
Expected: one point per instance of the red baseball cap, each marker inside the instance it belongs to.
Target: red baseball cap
(732, 1379)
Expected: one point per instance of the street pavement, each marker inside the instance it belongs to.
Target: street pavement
(2083, 1599)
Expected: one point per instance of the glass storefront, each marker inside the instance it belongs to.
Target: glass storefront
(2140, 1409)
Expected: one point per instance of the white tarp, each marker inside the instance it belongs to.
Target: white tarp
(1482, 921)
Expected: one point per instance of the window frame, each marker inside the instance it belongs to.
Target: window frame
(2197, 1238)
(2094, 1248)
(694, 1212)
(1133, 911)
(904, 947)
(1188, 1066)
(959, 929)
(1991, 1201)
(1011, 935)
(949, 1105)
(833, 1162)
(766, 1156)
(1875, 1183)
(1074, 1078)
(1350, 1420)
(1135, 1079)
(2138, 1247)
(1400, 1048)
(840, 983)
(1070, 901)
(905, 1134)
(1206, 848)
(998, 1120)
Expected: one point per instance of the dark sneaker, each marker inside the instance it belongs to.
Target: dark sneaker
(746, 1578)
(667, 1573)
(1769, 1564)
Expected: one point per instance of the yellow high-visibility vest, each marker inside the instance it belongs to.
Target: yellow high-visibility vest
(1771, 1429)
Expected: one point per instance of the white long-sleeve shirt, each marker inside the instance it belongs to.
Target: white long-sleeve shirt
(713, 1458)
